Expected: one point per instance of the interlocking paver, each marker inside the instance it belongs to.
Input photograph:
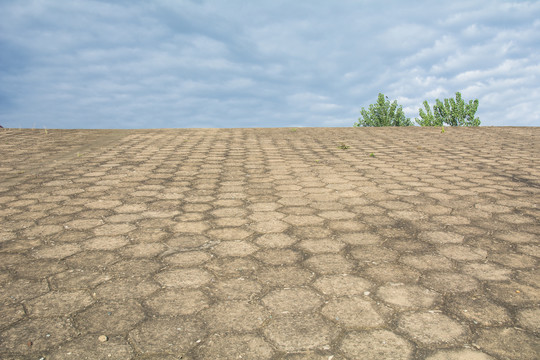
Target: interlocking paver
(270, 244)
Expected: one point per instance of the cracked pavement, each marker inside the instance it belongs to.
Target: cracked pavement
(308, 243)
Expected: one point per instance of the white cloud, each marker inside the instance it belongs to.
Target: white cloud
(266, 63)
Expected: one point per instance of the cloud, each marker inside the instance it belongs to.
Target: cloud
(165, 63)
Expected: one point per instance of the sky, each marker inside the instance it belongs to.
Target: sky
(265, 63)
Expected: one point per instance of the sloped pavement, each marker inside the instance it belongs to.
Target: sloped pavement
(308, 243)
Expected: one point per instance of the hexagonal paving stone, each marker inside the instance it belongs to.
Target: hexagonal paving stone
(43, 333)
(463, 253)
(449, 282)
(467, 354)
(373, 254)
(236, 289)
(285, 301)
(22, 289)
(360, 238)
(121, 289)
(232, 347)
(173, 302)
(60, 303)
(530, 319)
(89, 347)
(515, 261)
(143, 250)
(110, 319)
(487, 271)
(300, 332)
(56, 251)
(275, 241)
(388, 272)
(318, 246)
(10, 314)
(232, 267)
(329, 264)
(134, 268)
(167, 336)
(103, 204)
(376, 344)
(105, 243)
(408, 297)
(188, 258)
(279, 256)
(514, 293)
(234, 248)
(479, 309)
(353, 313)
(427, 262)
(284, 276)
(113, 229)
(342, 285)
(272, 226)
(439, 237)
(303, 220)
(432, 329)
(188, 277)
(188, 242)
(235, 316)
(77, 279)
(196, 227)
(508, 343)
(231, 233)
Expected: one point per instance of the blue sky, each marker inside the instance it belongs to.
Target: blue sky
(238, 63)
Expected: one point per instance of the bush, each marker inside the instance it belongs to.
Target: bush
(451, 112)
(383, 113)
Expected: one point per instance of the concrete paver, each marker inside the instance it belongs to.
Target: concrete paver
(270, 244)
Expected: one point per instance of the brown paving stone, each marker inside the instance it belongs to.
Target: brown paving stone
(173, 302)
(408, 297)
(236, 289)
(432, 328)
(231, 347)
(22, 289)
(514, 293)
(486, 271)
(449, 282)
(329, 264)
(509, 343)
(376, 344)
(174, 336)
(43, 334)
(299, 332)
(284, 276)
(275, 240)
(60, 303)
(459, 354)
(353, 313)
(479, 310)
(235, 316)
(384, 273)
(278, 256)
(187, 278)
(291, 301)
(168, 226)
(10, 314)
(232, 267)
(89, 347)
(110, 318)
(121, 289)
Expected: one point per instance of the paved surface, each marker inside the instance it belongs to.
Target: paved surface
(270, 244)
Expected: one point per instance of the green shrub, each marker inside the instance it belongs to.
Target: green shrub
(450, 112)
(383, 113)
